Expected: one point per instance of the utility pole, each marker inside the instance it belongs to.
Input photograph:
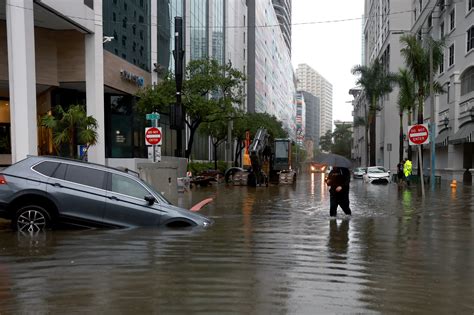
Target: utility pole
(177, 111)
(433, 122)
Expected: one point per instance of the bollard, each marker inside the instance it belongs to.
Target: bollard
(454, 184)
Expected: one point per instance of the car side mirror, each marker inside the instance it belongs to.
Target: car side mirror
(150, 199)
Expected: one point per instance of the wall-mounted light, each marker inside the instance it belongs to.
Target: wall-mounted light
(446, 122)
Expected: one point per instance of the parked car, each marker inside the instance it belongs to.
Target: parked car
(359, 172)
(44, 192)
(377, 174)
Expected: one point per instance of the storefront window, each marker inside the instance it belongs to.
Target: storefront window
(5, 142)
(124, 128)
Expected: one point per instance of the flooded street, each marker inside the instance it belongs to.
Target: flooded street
(271, 250)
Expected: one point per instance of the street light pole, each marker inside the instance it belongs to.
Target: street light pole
(433, 122)
(177, 111)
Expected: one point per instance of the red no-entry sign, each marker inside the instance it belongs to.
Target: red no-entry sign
(418, 134)
(153, 136)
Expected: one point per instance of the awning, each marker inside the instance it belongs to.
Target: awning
(442, 138)
(464, 134)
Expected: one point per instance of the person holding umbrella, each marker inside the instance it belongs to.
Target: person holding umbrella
(338, 182)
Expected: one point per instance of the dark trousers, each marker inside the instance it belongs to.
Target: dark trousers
(339, 199)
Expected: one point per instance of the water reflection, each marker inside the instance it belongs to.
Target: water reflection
(271, 250)
(338, 238)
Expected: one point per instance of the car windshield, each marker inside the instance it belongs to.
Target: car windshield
(376, 170)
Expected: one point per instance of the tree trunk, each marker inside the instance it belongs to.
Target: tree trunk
(420, 121)
(192, 131)
(367, 163)
(373, 141)
(400, 145)
(215, 154)
(71, 144)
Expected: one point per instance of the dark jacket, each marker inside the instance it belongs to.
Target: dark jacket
(339, 176)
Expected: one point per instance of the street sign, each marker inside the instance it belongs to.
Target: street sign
(153, 116)
(153, 136)
(418, 134)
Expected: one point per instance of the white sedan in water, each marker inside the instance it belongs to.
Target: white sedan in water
(377, 174)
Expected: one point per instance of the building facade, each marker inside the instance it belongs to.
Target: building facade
(385, 22)
(300, 119)
(452, 21)
(311, 81)
(271, 85)
(283, 13)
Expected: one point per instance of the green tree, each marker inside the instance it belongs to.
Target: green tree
(218, 132)
(342, 136)
(71, 127)
(376, 82)
(417, 59)
(325, 141)
(211, 92)
(406, 102)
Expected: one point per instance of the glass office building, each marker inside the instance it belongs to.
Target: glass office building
(167, 11)
(198, 29)
(217, 30)
(128, 22)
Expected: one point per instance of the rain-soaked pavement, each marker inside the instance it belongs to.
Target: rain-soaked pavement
(271, 251)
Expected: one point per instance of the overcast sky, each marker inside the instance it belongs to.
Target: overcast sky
(332, 49)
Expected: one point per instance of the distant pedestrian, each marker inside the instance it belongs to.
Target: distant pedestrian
(400, 175)
(407, 168)
(338, 180)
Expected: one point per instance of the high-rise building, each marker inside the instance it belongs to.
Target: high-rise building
(271, 85)
(385, 23)
(311, 81)
(300, 118)
(312, 118)
(283, 12)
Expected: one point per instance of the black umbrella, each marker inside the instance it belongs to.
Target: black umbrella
(335, 160)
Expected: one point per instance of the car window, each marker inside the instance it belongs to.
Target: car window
(60, 171)
(126, 186)
(85, 176)
(46, 168)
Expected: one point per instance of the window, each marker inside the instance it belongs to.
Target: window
(124, 22)
(141, 34)
(141, 3)
(470, 5)
(141, 19)
(46, 168)
(114, 17)
(126, 186)
(470, 38)
(60, 171)
(441, 30)
(430, 21)
(451, 55)
(452, 22)
(441, 64)
(85, 176)
(124, 40)
(467, 81)
(125, 6)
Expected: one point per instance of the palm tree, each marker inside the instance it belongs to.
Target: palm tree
(417, 59)
(376, 82)
(406, 102)
(71, 126)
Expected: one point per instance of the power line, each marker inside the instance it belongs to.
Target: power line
(229, 26)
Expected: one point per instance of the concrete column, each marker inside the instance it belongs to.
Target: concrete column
(154, 40)
(454, 107)
(95, 83)
(22, 78)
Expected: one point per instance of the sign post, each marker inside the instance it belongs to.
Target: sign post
(419, 135)
(153, 137)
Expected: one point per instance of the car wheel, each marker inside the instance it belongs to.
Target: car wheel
(31, 219)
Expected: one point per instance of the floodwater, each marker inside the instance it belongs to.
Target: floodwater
(271, 251)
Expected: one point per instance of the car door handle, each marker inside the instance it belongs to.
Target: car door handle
(113, 198)
(57, 185)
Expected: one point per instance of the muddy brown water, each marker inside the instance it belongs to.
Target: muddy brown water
(271, 251)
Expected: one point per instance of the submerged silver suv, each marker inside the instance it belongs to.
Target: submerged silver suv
(44, 192)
